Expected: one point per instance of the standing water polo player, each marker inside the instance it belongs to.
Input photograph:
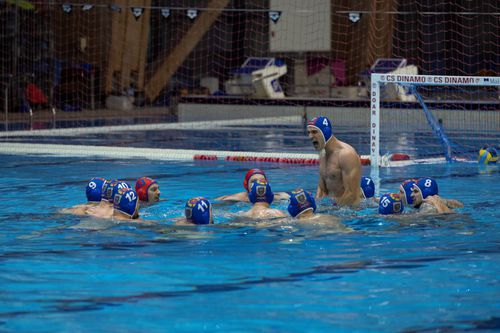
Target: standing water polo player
(339, 165)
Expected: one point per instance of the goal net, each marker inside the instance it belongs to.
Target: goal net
(227, 75)
(433, 116)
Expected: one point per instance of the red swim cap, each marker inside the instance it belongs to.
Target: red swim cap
(249, 174)
(142, 186)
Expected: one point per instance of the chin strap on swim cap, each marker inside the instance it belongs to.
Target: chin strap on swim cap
(249, 174)
(126, 201)
(324, 125)
(300, 201)
(367, 187)
(390, 204)
(260, 191)
(142, 187)
(198, 211)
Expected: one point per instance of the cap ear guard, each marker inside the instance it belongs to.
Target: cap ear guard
(198, 211)
(300, 201)
(260, 191)
(249, 175)
(367, 187)
(107, 190)
(427, 187)
(390, 204)
(406, 188)
(94, 189)
(324, 125)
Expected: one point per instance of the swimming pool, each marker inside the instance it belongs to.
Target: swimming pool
(66, 273)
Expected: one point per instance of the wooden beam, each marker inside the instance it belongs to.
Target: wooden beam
(135, 45)
(143, 46)
(175, 59)
(118, 28)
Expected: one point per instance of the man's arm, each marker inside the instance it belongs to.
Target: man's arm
(351, 178)
(438, 203)
(452, 203)
(321, 191)
(242, 196)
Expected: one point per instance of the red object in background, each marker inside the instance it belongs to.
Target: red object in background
(35, 95)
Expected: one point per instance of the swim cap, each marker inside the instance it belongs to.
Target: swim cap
(198, 211)
(126, 201)
(93, 189)
(142, 187)
(249, 174)
(487, 155)
(107, 190)
(427, 187)
(260, 191)
(111, 187)
(324, 125)
(300, 201)
(390, 204)
(406, 188)
(119, 185)
(367, 187)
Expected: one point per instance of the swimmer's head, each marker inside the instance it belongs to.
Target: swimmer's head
(487, 155)
(253, 174)
(107, 190)
(301, 202)
(405, 190)
(147, 189)
(119, 185)
(126, 202)
(319, 131)
(423, 188)
(93, 189)
(198, 211)
(260, 191)
(367, 187)
(390, 204)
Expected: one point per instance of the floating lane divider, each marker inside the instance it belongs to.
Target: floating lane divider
(186, 155)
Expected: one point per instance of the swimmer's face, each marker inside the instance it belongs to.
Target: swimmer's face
(416, 195)
(316, 137)
(154, 193)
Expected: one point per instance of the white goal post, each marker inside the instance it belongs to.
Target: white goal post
(380, 80)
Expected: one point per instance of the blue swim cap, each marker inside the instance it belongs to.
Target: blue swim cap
(198, 211)
(126, 201)
(119, 185)
(324, 125)
(109, 190)
(367, 187)
(93, 189)
(390, 204)
(487, 155)
(427, 187)
(406, 187)
(260, 191)
(300, 201)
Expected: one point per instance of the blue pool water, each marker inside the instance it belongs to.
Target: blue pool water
(64, 273)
